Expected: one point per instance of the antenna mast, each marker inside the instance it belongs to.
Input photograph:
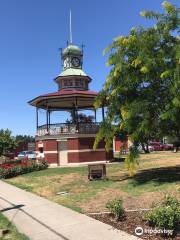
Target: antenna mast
(70, 27)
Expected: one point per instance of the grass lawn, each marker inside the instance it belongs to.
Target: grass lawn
(13, 233)
(157, 175)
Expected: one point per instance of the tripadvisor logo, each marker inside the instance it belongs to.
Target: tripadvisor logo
(139, 231)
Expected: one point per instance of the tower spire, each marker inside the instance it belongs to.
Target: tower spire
(70, 28)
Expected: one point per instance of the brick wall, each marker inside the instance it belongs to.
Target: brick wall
(118, 144)
(50, 146)
(81, 147)
(51, 158)
(76, 157)
(87, 156)
(83, 143)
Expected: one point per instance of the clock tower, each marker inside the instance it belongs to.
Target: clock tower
(69, 142)
(72, 75)
(72, 57)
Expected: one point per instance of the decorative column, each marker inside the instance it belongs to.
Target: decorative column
(73, 114)
(76, 114)
(103, 113)
(95, 115)
(47, 120)
(37, 119)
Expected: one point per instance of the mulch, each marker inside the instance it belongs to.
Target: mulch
(130, 222)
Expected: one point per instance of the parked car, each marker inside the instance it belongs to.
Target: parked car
(30, 155)
(151, 148)
(168, 146)
(157, 146)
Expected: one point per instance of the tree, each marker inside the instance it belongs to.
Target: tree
(142, 90)
(7, 142)
(24, 139)
(82, 118)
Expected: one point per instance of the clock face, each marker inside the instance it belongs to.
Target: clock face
(75, 62)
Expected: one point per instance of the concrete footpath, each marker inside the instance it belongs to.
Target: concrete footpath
(41, 219)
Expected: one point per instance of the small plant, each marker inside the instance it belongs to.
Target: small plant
(116, 208)
(165, 215)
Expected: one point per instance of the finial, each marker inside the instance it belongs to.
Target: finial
(70, 28)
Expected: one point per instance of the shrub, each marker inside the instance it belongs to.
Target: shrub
(165, 215)
(13, 162)
(1, 172)
(21, 169)
(116, 208)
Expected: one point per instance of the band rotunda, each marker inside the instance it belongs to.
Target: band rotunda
(72, 141)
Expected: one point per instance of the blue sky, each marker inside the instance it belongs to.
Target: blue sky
(32, 31)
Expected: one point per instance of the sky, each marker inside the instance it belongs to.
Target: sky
(31, 33)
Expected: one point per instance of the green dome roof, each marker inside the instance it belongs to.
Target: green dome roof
(72, 49)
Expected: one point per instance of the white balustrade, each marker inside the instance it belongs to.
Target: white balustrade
(66, 128)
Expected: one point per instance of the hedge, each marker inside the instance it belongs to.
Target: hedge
(21, 169)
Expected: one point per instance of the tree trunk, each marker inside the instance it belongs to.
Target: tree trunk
(145, 147)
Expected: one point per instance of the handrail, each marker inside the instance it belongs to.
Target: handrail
(67, 128)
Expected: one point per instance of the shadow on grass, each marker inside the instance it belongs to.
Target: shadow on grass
(119, 179)
(159, 175)
(118, 159)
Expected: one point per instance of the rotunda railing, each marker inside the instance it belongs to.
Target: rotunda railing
(67, 128)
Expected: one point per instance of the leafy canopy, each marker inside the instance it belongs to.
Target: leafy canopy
(142, 90)
(7, 142)
(24, 139)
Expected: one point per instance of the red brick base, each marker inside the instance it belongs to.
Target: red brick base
(79, 150)
(51, 158)
(75, 157)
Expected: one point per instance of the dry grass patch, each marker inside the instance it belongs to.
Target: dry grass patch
(99, 202)
(53, 184)
(80, 189)
(64, 179)
(158, 159)
(45, 191)
(146, 200)
(130, 202)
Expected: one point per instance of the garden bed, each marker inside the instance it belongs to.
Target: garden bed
(130, 222)
(15, 169)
